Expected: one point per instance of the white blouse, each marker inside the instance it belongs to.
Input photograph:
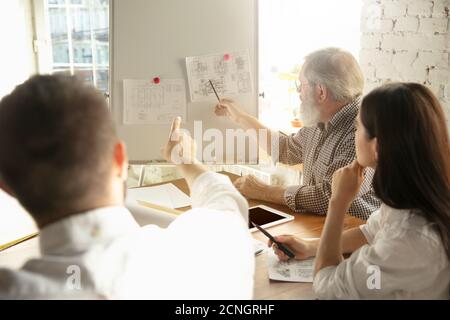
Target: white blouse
(404, 259)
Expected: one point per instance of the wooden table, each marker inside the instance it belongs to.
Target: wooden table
(304, 225)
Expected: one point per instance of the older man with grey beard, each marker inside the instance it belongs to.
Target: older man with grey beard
(330, 87)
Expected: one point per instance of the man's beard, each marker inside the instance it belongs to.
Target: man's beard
(309, 114)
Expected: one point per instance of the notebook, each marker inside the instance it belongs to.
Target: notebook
(291, 270)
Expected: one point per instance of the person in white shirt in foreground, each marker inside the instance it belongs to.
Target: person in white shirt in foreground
(403, 250)
(67, 167)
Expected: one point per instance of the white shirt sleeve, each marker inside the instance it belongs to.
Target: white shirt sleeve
(386, 269)
(371, 227)
(208, 251)
(215, 191)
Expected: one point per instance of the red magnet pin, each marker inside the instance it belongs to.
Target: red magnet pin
(226, 57)
(156, 80)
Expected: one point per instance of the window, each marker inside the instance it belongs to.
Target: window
(288, 30)
(76, 34)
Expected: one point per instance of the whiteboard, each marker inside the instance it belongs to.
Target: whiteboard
(152, 38)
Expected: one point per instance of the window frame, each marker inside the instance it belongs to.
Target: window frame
(43, 42)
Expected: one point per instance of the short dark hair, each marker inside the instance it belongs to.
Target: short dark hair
(55, 136)
(413, 169)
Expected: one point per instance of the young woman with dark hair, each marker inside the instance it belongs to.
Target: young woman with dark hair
(403, 251)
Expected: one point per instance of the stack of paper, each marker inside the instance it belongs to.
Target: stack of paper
(291, 270)
(165, 195)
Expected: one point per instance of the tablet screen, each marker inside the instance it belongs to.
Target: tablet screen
(261, 217)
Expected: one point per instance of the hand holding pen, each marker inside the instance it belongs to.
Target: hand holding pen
(302, 248)
(281, 246)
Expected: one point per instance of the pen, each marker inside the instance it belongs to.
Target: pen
(18, 241)
(259, 252)
(214, 89)
(281, 246)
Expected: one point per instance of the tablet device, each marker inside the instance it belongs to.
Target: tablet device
(265, 217)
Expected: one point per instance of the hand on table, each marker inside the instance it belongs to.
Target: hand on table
(251, 187)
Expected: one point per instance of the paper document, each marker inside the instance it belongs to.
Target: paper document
(291, 270)
(230, 74)
(16, 222)
(259, 247)
(149, 103)
(166, 195)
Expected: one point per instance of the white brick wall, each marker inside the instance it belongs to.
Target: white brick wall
(406, 24)
(421, 8)
(395, 8)
(407, 40)
(432, 25)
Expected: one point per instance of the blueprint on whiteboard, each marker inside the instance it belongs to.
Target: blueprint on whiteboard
(149, 103)
(230, 74)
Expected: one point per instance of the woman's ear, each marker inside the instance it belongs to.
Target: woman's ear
(374, 146)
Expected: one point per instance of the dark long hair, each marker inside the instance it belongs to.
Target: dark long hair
(413, 167)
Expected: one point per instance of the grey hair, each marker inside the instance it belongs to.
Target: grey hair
(337, 70)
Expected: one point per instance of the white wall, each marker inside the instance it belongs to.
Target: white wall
(407, 40)
(17, 59)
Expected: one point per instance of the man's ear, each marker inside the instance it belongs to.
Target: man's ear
(321, 92)
(6, 189)
(120, 160)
